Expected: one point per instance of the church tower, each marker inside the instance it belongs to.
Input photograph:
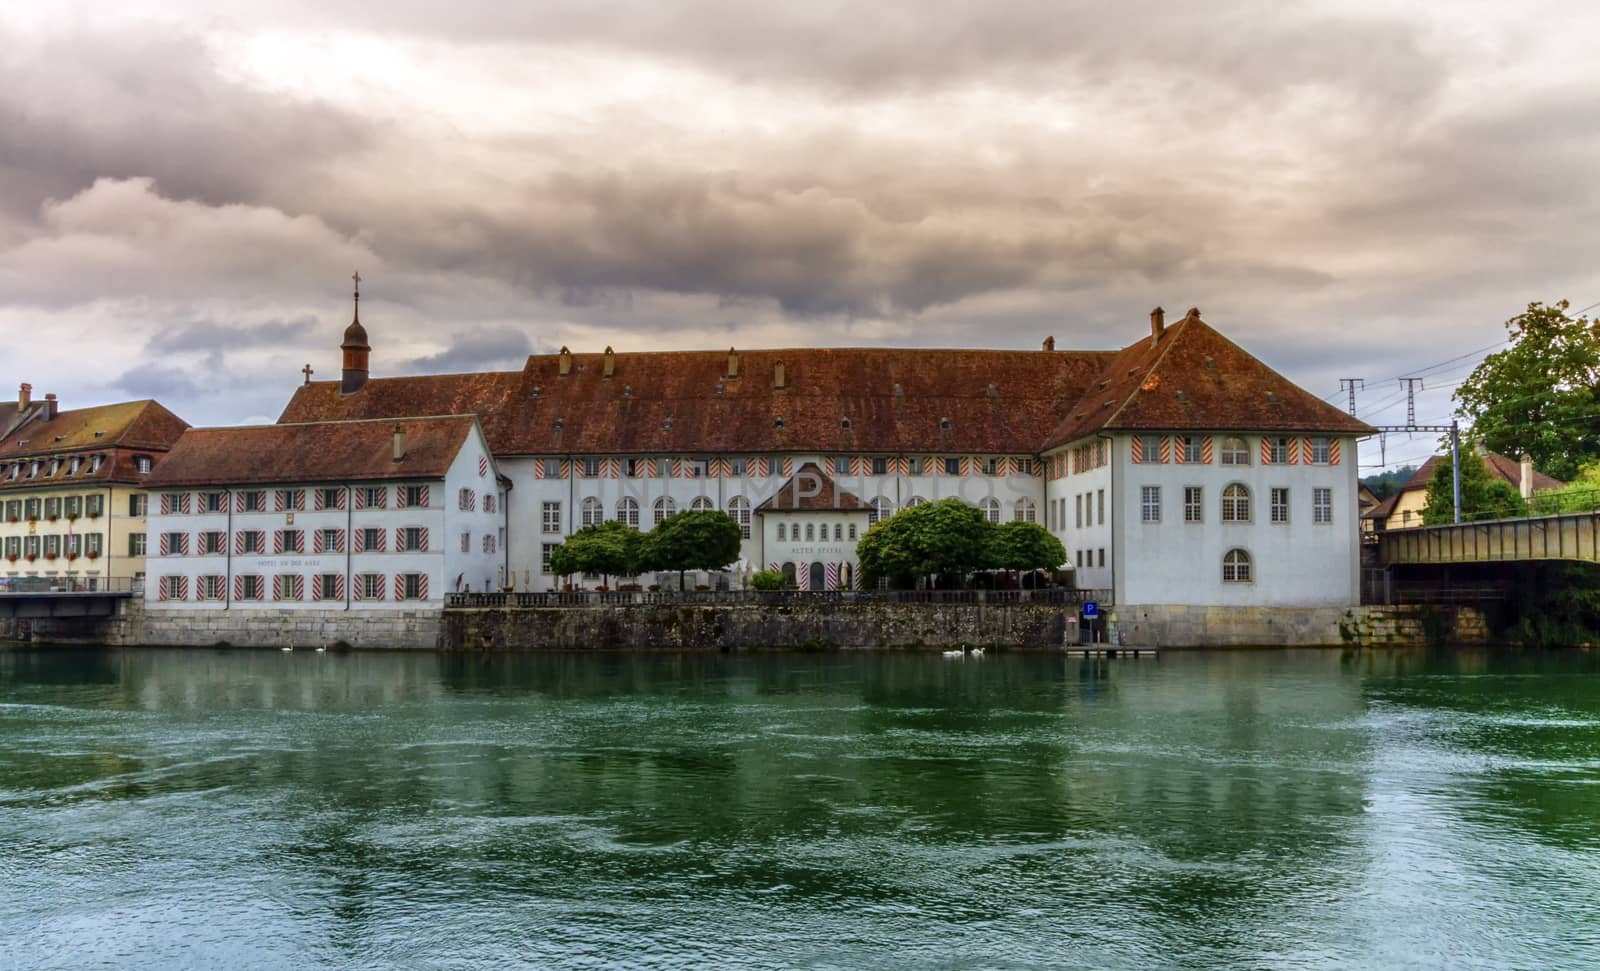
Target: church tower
(356, 349)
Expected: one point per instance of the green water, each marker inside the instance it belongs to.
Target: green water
(1228, 810)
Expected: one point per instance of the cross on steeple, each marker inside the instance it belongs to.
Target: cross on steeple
(307, 372)
(356, 276)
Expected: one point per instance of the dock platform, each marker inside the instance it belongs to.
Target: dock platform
(1109, 650)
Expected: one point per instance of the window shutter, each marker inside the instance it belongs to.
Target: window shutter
(1266, 451)
(1333, 451)
(422, 540)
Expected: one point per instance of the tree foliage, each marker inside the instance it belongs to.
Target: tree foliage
(700, 539)
(767, 580)
(609, 549)
(1581, 494)
(1540, 394)
(1483, 496)
(944, 537)
(1386, 484)
(1022, 545)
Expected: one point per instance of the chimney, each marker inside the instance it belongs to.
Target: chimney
(1049, 343)
(399, 442)
(566, 362)
(778, 376)
(611, 363)
(1158, 324)
(24, 397)
(1525, 476)
(50, 407)
(1193, 314)
(733, 363)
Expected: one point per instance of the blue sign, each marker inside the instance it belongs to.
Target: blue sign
(1090, 609)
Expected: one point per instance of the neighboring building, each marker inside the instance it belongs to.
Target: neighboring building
(1178, 470)
(809, 530)
(1403, 510)
(329, 516)
(72, 487)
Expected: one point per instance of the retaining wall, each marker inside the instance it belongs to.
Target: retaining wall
(1169, 625)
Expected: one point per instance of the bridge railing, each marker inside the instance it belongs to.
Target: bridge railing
(60, 586)
(1051, 595)
(1564, 536)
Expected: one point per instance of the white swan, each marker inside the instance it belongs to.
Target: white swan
(955, 654)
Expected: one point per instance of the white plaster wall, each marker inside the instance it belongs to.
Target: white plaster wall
(1094, 535)
(475, 568)
(1298, 564)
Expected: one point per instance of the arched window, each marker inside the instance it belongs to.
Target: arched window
(882, 508)
(664, 507)
(1236, 566)
(739, 509)
(1236, 503)
(701, 504)
(783, 532)
(991, 509)
(1024, 511)
(1235, 451)
(914, 502)
(628, 512)
(811, 532)
(591, 512)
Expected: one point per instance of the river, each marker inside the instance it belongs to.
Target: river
(1271, 809)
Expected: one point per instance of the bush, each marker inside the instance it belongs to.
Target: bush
(768, 580)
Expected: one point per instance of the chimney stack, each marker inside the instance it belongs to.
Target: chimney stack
(778, 376)
(399, 442)
(733, 363)
(1525, 477)
(50, 407)
(1049, 343)
(1158, 324)
(610, 367)
(565, 367)
(24, 397)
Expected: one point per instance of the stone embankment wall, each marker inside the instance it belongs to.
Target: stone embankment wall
(398, 629)
(1181, 626)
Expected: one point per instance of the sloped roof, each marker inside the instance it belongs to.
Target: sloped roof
(1500, 466)
(113, 431)
(811, 490)
(340, 451)
(1195, 378)
(895, 400)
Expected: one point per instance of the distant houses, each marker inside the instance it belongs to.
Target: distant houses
(1404, 509)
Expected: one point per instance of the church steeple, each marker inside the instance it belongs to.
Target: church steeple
(356, 349)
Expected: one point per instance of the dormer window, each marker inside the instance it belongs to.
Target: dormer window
(74, 465)
(55, 466)
(844, 423)
(944, 424)
(141, 464)
(94, 464)
(33, 469)
(777, 423)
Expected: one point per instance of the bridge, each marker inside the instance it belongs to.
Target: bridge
(1568, 536)
(42, 597)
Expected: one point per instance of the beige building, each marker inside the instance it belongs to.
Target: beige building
(72, 503)
(1403, 510)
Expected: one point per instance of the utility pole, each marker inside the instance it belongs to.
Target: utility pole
(1352, 384)
(1455, 465)
(1411, 385)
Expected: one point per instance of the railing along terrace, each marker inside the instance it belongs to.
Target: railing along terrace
(56, 586)
(617, 598)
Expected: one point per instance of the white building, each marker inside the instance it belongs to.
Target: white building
(1131, 457)
(326, 516)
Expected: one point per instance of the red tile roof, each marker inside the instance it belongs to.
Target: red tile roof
(883, 400)
(811, 490)
(117, 432)
(344, 451)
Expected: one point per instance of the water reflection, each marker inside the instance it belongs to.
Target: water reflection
(1242, 809)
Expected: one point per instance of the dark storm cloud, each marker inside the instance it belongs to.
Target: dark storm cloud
(485, 349)
(208, 335)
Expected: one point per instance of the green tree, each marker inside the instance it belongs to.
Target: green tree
(1581, 494)
(1539, 395)
(609, 549)
(1482, 495)
(945, 537)
(1386, 484)
(700, 539)
(767, 580)
(1019, 545)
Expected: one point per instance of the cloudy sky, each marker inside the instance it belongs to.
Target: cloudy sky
(1345, 188)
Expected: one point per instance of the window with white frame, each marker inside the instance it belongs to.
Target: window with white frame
(1235, 451)
(664, 468)
(213, 543)
(1189, 449)
(1024, 511)
(952, 466)
(466, 542)
(371, 540)
(251, 587)
(325, 586)
(1149, 449)
(491, 502)
(414, 496)
(93, 544)
(329, 498)
(550, 517)
(990, 507)
(413, 586)
(172, 588)
(591, 468)
(914, 465)
(255, 500)
(371, 586)
(914, 502)
(1193, 504)
(252, 541)
(138, 505)
(1278, 450)
(1321, 450)
(697, 468)
(489, 542)
(211, 587)
(413, 539)
(663, 508)
(294, 540)
(1280, 504)
(1077, 507)
(1100, 503)
(465, 500)
(1236, 503)
(840, 464)
(1150, 504)
(738, 467)
(783, 532)
(1322, 505)
(628, 512)
(549, 468)
(546, 551)
(1236, 566)
(811, 532)
(852, 532)
(701, 504)
(141, 464)
(882, 508)
(375, 497)
(739, 512)
(137, 544)
(591, 512)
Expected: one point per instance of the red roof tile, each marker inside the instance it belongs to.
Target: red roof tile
(117, 432)
(346, 451)
(811, 490)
